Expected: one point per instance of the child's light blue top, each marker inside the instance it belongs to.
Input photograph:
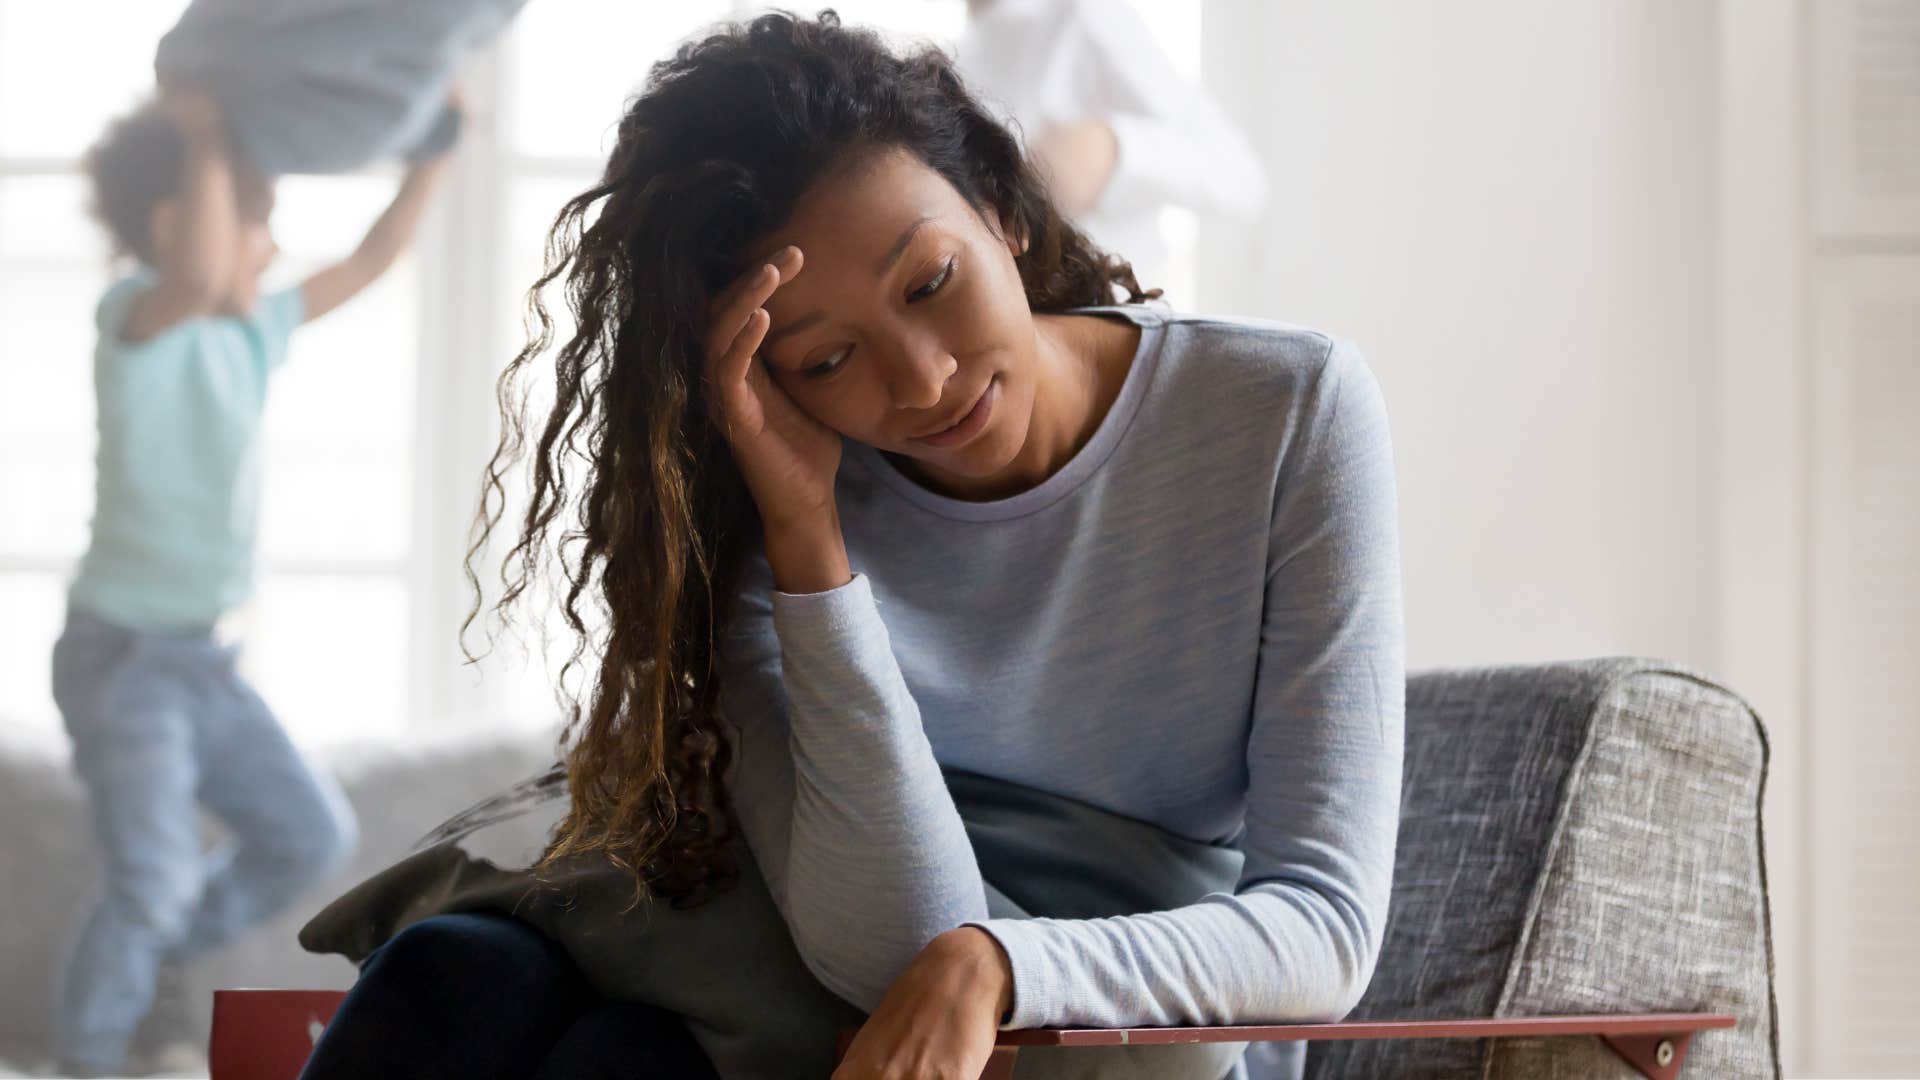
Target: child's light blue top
(1195, 622)
(177, 495)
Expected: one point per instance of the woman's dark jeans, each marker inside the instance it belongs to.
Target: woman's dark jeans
(479, 997)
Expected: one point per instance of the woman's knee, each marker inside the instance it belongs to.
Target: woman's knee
(460, 939)
(471, 950)
(471, 996)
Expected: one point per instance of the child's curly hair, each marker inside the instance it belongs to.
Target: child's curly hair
(137, 164)
(134, 166)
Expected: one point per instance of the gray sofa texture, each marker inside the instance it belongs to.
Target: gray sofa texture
(1575, 838)
(47, 865)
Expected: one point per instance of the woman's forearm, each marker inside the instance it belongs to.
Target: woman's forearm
(866, 853)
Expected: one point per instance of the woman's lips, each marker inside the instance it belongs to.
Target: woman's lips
(969, 425)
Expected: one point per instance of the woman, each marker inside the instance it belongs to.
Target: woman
(873, 485)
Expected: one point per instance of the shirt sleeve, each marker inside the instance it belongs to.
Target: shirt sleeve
(836, 787)
(1298, 938)
(110, 315)
(116, 307)
(1174, 144)
(274, 320)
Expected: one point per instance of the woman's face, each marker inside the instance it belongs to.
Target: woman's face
(907, 319)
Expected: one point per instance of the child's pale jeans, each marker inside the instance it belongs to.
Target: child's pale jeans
(162, 724)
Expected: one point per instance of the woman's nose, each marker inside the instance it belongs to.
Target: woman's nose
(920, 375)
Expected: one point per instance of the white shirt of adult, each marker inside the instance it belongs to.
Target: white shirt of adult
(1044, 63)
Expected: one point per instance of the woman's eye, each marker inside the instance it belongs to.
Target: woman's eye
(826, 367)
(935, 285)
(838, 360)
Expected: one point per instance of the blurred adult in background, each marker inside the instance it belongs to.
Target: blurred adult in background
(161, 720)
(1120, 132)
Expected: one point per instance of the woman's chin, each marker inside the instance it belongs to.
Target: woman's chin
(978, 471)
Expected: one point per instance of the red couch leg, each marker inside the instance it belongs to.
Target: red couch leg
(1657, 1057)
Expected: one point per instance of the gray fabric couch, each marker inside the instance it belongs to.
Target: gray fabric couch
(1574, 838)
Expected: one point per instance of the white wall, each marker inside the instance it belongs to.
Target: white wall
(1509, 206)
(1764, 456)
(1569, 238)
(1639, 278)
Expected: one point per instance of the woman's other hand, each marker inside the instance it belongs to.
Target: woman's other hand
(787, 458)
(939, 1018)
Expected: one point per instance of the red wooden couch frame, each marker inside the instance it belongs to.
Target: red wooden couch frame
(265, 1034)
(1655, 1044)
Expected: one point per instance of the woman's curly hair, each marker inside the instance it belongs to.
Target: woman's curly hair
(634, 495)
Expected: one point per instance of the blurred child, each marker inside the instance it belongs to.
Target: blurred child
(161, 721)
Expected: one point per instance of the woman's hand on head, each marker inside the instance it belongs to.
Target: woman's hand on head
(787, 458)
(940, 1017)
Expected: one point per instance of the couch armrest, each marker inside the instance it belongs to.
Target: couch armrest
(1654, 891)
(1575, 837)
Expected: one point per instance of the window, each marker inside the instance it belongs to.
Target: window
(378, 426)
(329, 632)
(53, 102)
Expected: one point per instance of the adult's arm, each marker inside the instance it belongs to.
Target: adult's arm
(836, 786)
(1173, 144)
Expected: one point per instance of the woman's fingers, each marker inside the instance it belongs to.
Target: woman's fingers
(787, 458)
(731, 309)
(746, 294)
(736, 334)
(730, 373)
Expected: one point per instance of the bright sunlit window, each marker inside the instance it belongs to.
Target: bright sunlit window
(377, 428)
(53, 103)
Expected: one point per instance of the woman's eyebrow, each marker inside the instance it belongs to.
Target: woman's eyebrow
(880, 270)
(793, 327)
(906, 237)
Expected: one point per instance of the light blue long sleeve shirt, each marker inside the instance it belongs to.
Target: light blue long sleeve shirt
(1196, 622)
(177, 492)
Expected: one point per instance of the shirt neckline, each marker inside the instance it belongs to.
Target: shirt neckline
(1068, 478)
